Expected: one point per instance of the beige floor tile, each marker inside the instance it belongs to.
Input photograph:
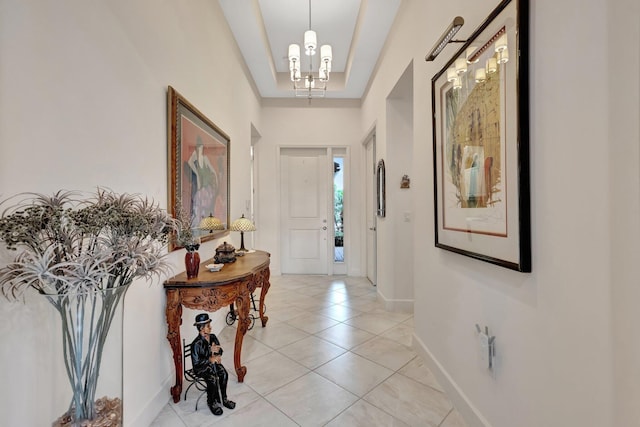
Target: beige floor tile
(410, 401)
(362, 303)
(339, 312)
(345, 336)
(418, 370)
(278, 334)
(401, 333)
(167, 418)
(363, 414)
(284, 313)
(369, 293)
(304, 302)
(272, 371)
(240, 393)
(312, 322)
(354, 373)
(251, 349)
(330, 297)
(311, 400)
(395, 316)
(372, 323)
(454, 419)
(260, 413)
(312, 351)
(385, 352)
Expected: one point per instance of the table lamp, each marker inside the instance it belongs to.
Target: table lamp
(242, 224)
(211, 223)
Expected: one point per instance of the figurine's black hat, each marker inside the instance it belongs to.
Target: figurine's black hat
(202, 319)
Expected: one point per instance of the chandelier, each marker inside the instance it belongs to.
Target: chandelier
(310, 86)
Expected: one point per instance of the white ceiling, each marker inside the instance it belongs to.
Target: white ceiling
(356, 30)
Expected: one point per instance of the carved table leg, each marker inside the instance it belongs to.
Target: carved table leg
(242, 305)
(264, 280)
(174, 319)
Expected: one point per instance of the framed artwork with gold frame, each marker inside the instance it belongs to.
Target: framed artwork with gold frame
(198, 160)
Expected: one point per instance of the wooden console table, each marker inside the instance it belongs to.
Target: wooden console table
(212, 291)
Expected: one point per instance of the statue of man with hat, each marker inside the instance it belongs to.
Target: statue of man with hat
(206, 359)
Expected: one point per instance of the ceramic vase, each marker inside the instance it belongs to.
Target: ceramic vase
(192, 264)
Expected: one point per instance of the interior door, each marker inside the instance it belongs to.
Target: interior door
(304, 178)
(370, 178)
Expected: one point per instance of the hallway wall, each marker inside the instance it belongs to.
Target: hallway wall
(565, 339)
(83, 103)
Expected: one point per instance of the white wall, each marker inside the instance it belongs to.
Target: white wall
(83, 104)
(286, 123)
(395, 232)
(561, 329)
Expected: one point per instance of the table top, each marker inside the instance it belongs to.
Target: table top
(244, 266)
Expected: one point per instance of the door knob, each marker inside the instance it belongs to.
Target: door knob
(324, 228)
(372, 228)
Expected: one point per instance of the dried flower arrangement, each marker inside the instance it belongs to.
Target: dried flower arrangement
(184, 236)
(82, 254)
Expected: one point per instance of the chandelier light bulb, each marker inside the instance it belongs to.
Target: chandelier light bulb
(461, 66)
(294, 52)
(310, 42)
(451, 74)
(501, 44)
(481, 75)
(492, 65)
(503, 56)
(310, 89)
(457, 83)
(326, 53)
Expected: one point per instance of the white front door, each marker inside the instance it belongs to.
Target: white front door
(304, 177)
(370, 178)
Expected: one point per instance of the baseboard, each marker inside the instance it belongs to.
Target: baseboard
(399, 306)
(396, 305)
(461, 402)
(153, 408)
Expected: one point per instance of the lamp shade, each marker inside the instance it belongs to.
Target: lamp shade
(503, 56)
(211, 223)
(481, 75)
(501, 44)
(242, 224)
(294, 52)
(451, 74)
(310, 42)
(326, 53)
(492, 65)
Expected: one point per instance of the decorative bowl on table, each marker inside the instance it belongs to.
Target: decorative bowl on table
(214, 267)
(225, 253)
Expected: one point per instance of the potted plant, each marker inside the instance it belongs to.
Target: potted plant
(82, 253)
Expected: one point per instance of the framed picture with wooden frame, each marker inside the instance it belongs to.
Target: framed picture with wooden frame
(198, 154)
(481, 143)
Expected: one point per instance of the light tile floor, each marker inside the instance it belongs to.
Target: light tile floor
(329, 356)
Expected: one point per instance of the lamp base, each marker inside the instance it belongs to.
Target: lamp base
(242, 248)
